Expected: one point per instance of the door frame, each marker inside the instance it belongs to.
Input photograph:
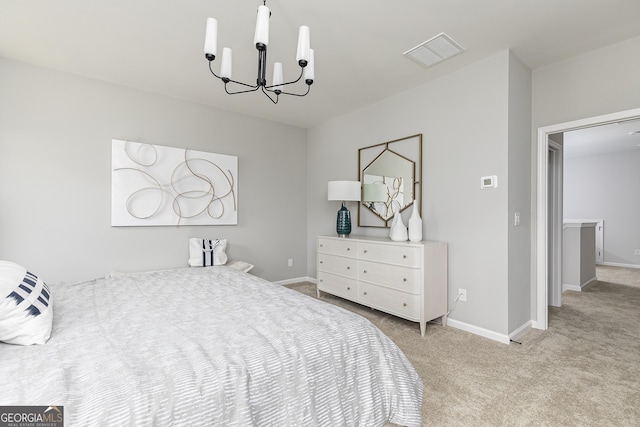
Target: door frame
(542, 248)
(554, 254)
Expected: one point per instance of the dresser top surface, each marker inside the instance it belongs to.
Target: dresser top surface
(385, 240)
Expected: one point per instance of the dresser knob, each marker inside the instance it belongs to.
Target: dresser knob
(348, 268)
(348, 288)
(404, 256)
(404, 304)
(365, 293)
(365, 251)
(404, 279)
(321, 245)
(365, 271)
(348, 249)
(321, 262)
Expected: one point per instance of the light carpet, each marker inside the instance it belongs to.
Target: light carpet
(582, 371)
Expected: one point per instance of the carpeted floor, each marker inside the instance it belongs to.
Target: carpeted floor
(582, 371)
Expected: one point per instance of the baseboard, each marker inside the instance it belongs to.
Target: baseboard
(615, 264)
(536, 325)
(567, 287)
(476, 330)
(513, 336)
(295, 280)
(580, 288)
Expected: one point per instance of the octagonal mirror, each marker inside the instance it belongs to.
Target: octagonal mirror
(390, 174)
(387, 184)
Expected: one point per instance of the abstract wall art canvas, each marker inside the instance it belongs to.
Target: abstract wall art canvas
(154, 185)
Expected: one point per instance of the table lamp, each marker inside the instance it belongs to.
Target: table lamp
(344, 191)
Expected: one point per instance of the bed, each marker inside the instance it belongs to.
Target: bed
(209, 347)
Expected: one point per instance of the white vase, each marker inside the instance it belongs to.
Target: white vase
(415, 225)
(398, 231)
(393, 223)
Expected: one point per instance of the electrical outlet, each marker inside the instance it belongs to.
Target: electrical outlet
(290, 262)
(463, 294)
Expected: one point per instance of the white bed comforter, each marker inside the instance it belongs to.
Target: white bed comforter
(209, 347)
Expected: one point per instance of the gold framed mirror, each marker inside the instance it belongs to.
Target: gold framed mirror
(391, 176)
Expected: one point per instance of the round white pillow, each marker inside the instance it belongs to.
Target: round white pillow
(26, 306)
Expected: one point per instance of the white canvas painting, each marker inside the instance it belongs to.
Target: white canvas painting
(154, 185)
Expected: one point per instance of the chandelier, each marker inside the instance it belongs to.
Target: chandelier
(304, 58)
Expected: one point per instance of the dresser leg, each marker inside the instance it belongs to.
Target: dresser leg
(423, 328)
(444, 320)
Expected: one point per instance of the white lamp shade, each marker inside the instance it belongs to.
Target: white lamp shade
(277, 76)
(262, 26)
(344, 190)
(211, 37)
(374, 193)
(225, 66)
(304, 43)
(309, 70)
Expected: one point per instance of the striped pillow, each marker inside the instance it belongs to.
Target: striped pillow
(26, 306)
(207, 252)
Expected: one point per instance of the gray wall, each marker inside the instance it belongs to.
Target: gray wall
(55, 178)
(519, 151)
(464, 119)
(578, 255)
(606, 187)
(599, 82)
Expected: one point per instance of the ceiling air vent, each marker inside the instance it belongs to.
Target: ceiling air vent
(434, 50)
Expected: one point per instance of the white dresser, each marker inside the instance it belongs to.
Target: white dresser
(406, 279)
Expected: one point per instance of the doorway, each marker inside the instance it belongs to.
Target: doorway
(549, 215)
(554, 221)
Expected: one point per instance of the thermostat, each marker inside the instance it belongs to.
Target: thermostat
(489, 181)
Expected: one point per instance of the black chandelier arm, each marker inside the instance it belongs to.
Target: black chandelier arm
(212, 72)
(287, 83)
(253, 88)
(291, 93)
(269, 96)
(227, 80)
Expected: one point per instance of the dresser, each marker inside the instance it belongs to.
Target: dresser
(406, 279)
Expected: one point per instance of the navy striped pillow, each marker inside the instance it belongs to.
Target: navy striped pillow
(26, 306)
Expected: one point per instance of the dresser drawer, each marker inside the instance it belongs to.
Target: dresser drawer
(337, 285)
(402, 278)
(391, 301)
(340, 247)
(407, 256)
(338, 265)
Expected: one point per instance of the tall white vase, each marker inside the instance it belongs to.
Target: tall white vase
(393, 224)
(398, 231)
(415, 224)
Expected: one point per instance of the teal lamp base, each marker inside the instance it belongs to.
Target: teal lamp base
(343, 225)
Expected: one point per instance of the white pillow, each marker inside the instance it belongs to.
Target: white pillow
(26, 306)
(207, 252)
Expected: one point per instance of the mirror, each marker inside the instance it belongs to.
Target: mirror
(390, 174)
(388, 184)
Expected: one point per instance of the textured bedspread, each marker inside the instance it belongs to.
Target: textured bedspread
(209, 347)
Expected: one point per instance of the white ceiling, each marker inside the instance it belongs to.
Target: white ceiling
(595, 141)
(157, 45)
